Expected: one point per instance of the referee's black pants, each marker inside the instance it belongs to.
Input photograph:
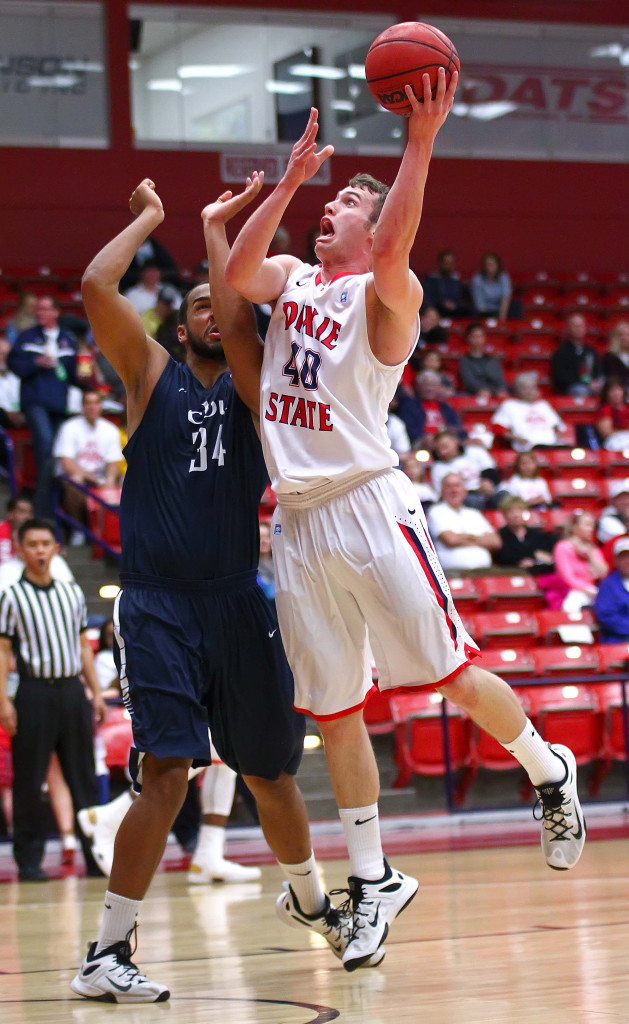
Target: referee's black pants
(52, 714)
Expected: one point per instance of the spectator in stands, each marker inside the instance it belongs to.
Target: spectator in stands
(463, 538)
(424, 414)
(523, 546)
(25, 316)
(613, 422)
(527, 420)
(144, 295)
(576, 367)
(527, 483)
(44, 358)
(611, 606)
(10, 415)
(414, 470)
(19, 509)
(266, 568)
(450, 456)
(106, 670)
(431, 331)
(444, 289)
(579, 563)
(492, 290)
(431, 360)
(89, 452)
(614, 519)
(151, 251)
(616, 359)
(398, 434)
(480, 374)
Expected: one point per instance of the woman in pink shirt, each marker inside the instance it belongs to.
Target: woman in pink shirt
(579, 563)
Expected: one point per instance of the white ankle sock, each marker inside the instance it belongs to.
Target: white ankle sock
(536, 757)
(306, 884)
(119, 917)
(210, 844)
(362, 835)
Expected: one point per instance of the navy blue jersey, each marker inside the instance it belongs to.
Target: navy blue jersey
(189, 506)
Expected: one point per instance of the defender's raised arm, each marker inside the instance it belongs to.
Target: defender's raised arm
(249, 270)
(116, 324)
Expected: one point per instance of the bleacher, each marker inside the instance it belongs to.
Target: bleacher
(567, 686)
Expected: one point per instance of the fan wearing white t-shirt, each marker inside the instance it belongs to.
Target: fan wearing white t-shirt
(89, 452)
(463, 538)
(527, 420)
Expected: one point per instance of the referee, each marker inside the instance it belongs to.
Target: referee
(43, 621)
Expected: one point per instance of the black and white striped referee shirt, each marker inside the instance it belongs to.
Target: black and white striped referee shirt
(45, 623)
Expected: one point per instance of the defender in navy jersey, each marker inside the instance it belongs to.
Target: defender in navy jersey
(197, 644)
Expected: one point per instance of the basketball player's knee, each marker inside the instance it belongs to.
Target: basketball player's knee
(267, 791)
(343, 729)
(165, 782)
(465, 690)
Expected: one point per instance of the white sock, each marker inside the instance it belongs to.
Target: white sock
(119, 917)
(210, 844)
(111, 814)
(536, 757)
(217, 790)
(306, 884)
(362, 835)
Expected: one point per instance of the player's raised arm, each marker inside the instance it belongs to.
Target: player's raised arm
(396, 287)
(249, 270)
(117, 327)
(233, 314)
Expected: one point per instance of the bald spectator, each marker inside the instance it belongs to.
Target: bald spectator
(614, 520)
(528, 419)
(576, 367)
(463, 538)
(611, 606)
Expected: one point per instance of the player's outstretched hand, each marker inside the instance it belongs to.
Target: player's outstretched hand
(426, 118)
(144, 197)
(228, 205)
(304, 160)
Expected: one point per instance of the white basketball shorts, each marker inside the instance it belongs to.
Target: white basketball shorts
(358, 572)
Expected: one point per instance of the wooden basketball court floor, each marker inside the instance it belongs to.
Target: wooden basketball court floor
(493, 937)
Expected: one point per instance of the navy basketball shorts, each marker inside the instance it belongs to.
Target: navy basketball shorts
(207, 655)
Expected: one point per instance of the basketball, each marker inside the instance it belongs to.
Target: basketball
(400, 55)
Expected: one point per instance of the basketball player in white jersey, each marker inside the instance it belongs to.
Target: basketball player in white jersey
(354, 562)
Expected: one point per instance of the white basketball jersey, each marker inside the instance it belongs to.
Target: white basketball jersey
(324, 395)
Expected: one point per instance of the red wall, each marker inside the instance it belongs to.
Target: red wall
(59, 206)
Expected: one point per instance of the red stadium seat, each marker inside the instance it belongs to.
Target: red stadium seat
(505, 629)
(377, 713)
(570, 659)
(576, 409)
(617, 464)
(473, 410)
(510, 592)
(548, 623)
(419, 746)
(557, 518)
(577, 492)
(507, 661)
(578, 462)
(611, 657)
(569, 715)
(464, 593)
(117, 736)
(609, 488)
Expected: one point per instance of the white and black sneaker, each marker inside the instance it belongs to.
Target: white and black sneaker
(335, 924)
(563, 831)
(375, 905)
(111, 977)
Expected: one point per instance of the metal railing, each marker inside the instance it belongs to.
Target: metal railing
(61, 516)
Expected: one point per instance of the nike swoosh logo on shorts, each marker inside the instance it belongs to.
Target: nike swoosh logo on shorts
(273, 633)
(362, 821)
(412, 511)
